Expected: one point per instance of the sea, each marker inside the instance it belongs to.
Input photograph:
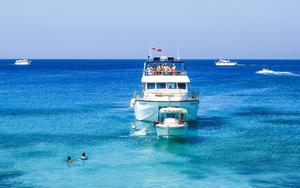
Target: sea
(247, 133)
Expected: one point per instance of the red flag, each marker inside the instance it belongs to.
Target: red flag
(157, 49)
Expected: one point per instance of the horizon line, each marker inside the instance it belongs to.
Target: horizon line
(293, 59)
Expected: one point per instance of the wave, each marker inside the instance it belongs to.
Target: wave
(55, 75)
(279, 73)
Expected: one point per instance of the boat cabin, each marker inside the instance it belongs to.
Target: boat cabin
(164, 79)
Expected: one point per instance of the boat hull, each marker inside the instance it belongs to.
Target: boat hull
(23, 63)
(149, 110)
(171, 131)
(226, 64)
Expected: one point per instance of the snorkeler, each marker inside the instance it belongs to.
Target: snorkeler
(133, 127)
(83, 156)
(69, 160)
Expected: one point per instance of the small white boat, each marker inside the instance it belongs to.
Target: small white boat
(22, 62)
(223, 62)
(266, 71)
(172, 122)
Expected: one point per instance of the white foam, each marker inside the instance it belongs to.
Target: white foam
(279, 73)
(140, 132)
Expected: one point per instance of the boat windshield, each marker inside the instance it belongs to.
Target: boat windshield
(181, 117)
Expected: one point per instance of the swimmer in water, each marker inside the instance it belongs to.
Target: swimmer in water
(69, 160)
(133, 127)
(83, 156)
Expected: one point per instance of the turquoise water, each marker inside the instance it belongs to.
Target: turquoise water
(247, 133)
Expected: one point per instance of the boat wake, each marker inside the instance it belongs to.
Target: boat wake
(279, 73)
(140, 132)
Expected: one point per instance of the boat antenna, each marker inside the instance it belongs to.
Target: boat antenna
(149, 50)
(178, 57)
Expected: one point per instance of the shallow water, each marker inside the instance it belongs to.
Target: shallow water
(247, 133)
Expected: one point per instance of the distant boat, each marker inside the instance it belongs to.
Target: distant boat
(265, 71)
(22, 62)
(223, 62)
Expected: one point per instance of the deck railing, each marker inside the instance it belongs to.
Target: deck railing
(194, 95)
(154, 73)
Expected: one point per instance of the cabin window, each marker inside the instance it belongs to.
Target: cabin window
(171, 85)
(181, 85)
(150, 85)
(156, 59)
(160, 85)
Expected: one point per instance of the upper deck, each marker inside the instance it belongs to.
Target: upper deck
(164, 66)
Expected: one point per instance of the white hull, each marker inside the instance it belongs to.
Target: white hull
(265, 72)
(226, 64)
(171, 131)
(149, 110)
(22, 63)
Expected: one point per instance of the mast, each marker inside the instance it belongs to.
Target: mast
(149, 50)
(177, 51)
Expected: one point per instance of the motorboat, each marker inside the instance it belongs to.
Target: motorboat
(265, 71)
(172, 122)
(165, 83)
(223, 62)
(22, 62)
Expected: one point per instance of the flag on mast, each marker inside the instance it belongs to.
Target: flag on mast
(157, 49)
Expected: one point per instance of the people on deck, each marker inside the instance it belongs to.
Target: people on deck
(161, 69)
(174, 70)
(181, 120)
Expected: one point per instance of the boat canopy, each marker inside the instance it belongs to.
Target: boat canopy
(164, 59)
(173, 110)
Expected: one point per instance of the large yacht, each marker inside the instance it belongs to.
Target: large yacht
(22, 62)
(165, 84)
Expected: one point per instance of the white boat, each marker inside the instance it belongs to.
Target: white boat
(266, 71)
(172, 122)
(165, 83)
(223, 62)
(22, 62)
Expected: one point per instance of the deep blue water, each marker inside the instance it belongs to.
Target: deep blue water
(247, 133)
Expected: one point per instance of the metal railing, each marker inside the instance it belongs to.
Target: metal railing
(162, 73)
(194, 95)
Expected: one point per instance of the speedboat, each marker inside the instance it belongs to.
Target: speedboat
(265, 71)
(22, 62)
(165, 83)
(172, 122)
(271, 72)
(223, 62)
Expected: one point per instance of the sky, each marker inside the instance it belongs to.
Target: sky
(125, 29)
